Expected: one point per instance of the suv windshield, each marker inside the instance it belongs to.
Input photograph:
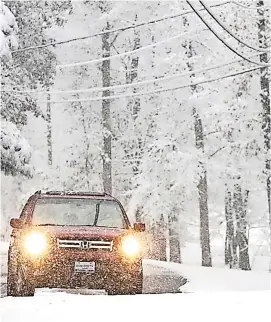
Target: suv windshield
(78, 212)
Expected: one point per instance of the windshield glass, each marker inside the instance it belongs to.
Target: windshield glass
(78, 212)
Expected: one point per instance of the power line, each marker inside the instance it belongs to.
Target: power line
(127, 53)
(222, 40)
(136, 84)
(150, 92)
(250, 7)
(140, 24)
(226, 28)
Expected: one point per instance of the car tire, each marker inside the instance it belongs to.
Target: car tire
(137, 286)
(17, 284)
(11, 287)
(11, 277)
(131, 286)
(23, 287)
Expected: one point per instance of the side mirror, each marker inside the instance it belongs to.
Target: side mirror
(139, 226)
(16, 223)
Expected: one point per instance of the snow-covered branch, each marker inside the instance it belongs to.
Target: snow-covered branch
(8, 30)
(15, 151)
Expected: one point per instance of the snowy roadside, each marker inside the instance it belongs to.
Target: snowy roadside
(205, 279)
(3, 258)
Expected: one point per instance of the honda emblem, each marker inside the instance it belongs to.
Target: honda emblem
(85, 244)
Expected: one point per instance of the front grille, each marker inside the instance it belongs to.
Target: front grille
(85, 244)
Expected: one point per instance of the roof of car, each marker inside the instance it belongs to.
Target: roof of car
(75, 194)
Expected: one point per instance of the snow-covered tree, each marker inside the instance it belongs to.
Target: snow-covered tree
(8, 30)
(24, 70)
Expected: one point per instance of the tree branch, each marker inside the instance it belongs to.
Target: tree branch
(114, 39)
(214, 153)
(212, 132)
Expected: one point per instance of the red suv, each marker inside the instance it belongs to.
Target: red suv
(74, 240)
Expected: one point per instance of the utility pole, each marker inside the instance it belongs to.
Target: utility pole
(106, 116)
(265, 100)
(49, 130)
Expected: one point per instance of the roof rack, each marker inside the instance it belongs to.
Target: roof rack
(77, 193)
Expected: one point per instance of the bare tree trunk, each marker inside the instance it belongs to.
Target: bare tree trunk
(174, 240)
(240, 206)
(202, 184)
(230, 240)
(87, 145)
(157, 247)
(106, 117)
(162, 240)
(134, 106)
(134, 73)
(265, 100)
(227, 251)
(136, 110)
(49, 130)
(203, 196)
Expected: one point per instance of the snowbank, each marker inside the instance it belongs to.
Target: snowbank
(205, 279)
(222, 307)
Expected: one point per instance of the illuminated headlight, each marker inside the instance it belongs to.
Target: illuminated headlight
(35, 243)
(130, 246)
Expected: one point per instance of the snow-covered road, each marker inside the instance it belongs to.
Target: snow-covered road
(211, 307)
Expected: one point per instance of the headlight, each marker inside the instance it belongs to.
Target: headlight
(35, 243)
(130, 246)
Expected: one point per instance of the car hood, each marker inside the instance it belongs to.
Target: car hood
(83, 232)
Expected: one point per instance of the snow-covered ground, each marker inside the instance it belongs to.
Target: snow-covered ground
(204, 279)
(211, 307)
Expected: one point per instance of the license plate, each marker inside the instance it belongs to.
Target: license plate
(84, 267)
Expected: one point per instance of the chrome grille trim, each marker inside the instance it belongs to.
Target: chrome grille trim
(85, 244)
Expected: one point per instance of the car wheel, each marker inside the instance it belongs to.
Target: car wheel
(17, 284)
(24, 286)
(136, 286)
(11, 288)
(11, 278)
(129, 287)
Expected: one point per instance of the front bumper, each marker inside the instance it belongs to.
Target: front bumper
(57, 270)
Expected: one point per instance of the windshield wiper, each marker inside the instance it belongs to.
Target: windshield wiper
(50, 225)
